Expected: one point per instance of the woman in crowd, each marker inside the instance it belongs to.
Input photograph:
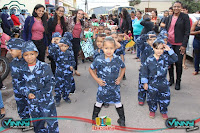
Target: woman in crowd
(195, 30)
(156, 20)
(76, 26)
(35, 29)
(125, 21)
(137, 29)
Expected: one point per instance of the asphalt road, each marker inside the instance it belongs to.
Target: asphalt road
(185, 104)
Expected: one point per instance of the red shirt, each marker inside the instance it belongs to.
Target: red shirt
(15, 20)
(171, 37)
(37, 30)
(59, 29)
(77, 30)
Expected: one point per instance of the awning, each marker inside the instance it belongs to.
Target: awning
(72, 9)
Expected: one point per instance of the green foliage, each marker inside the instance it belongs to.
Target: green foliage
(192, 5)
(134, 2)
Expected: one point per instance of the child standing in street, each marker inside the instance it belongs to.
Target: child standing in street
(99, 43)
(64, 58)
(154, 72)
(15, 47)
(105, 70)
(146, 48)
(55, 39)
(38, 81)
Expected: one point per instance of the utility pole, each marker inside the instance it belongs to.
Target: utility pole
(86, 6)
(56, 3)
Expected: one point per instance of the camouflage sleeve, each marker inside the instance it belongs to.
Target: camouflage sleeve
(122, 65)
(140, 42)
(144, 72)
(172, 57)
(22, 85)
(53, 51)
(73, 63)
(49, 80)
(94, 64)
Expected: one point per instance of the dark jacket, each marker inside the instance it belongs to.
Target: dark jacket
(7, 23)
(126, 24)
(148, 25)
(182, 28)
(27, 34)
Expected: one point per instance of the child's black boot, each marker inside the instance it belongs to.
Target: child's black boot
(121, 120)
(95, 114)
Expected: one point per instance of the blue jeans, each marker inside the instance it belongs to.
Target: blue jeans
(138, 50)
(196, 46)
(1, 101)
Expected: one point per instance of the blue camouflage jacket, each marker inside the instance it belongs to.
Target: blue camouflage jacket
(40, 81)
(157, 70)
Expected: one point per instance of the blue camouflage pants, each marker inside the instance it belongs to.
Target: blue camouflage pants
(141, 91)
(22, 106)
(63, 86)
(40, 107)
(158, 93)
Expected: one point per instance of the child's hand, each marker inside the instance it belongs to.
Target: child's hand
(101, 82)
(71, 68)
(117, 81)
(145, 86)
(31, 96)
(167, 48)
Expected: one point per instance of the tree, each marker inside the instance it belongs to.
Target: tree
(134, 2)
(192, 5)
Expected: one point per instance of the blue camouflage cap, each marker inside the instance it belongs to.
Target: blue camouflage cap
(68, 35)
(65, 41)
(163, 32)
(151, 32)
(159, 40)
(15, 43)
(56, 34)
(163, 36)
(29, 46)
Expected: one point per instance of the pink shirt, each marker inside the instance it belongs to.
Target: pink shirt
(77, 30)
(4, 38)
(37, 30)
(171, 37)
(58, 29)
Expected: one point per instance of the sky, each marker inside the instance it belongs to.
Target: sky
(97, 3)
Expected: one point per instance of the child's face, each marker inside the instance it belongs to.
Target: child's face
(107, 32)
(99, 42)
(108, 49)
(115, 37)
(30, 57)
(15, 53)
(150, 41)
(159, 50)
(120, 37)
(101, 29)
(56, 40)
(63, 47)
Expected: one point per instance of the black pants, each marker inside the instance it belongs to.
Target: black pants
(179, 68)
(1, 83)
(41, 48)
(76, 49)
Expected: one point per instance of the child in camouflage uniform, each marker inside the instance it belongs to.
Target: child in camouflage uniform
(105, 70)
